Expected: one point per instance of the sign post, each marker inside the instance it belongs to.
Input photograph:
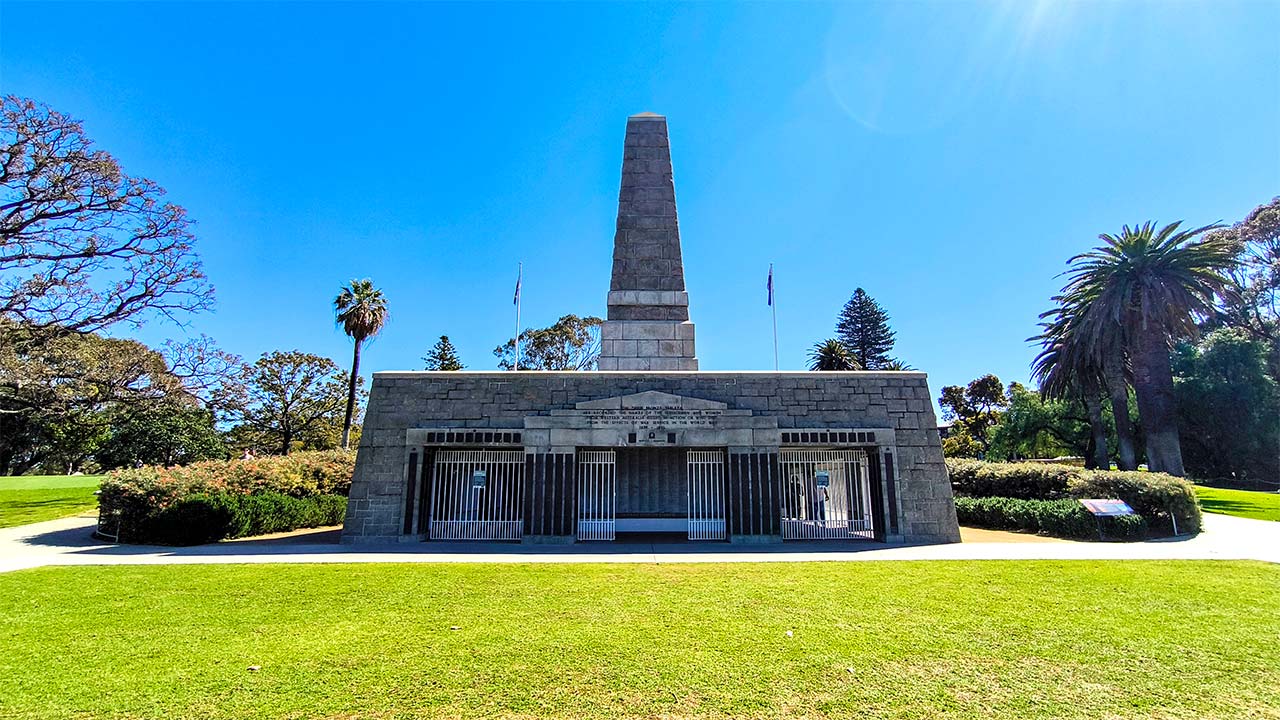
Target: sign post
(1101, 508)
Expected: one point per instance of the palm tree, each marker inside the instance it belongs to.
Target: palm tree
(361, 313)
(1148, 285)
(896, 365)
(1062, 371)
(832, 355)
(1070, 367)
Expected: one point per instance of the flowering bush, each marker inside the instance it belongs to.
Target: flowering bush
(137, 497)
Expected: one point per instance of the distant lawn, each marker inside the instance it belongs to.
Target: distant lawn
(870, 639)
(1241, 503)
(33, 498)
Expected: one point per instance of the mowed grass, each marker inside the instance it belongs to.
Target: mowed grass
(869, 639)
(34, 498)
(1241, 503)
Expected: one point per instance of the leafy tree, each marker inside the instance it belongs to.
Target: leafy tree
(1151, 283)
(73, 439)
(285, 395)
(443, 356)
(361, 312)
(572, 343)
(863, 327)
(160, 434)
(832, 355)
(1256, 309)
(975, 408)
(1229, 407)
(83, 246)
(1038, 426)
(52, 392)
(960, 444)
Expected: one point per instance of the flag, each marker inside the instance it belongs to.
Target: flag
(516, 299)
(770, 285)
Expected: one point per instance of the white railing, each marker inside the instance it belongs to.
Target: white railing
(706, 495)
(826, 495)
(477, 495)
(597, 495)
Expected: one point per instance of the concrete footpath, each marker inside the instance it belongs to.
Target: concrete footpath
(69, 541)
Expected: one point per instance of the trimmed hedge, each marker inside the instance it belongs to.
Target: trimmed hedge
(1059, 518)
(199, 519)
(227, 498)
(1155, 496)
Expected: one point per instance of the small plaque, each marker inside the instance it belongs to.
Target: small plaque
(478, 479)
(823, 479)
(1107, 507)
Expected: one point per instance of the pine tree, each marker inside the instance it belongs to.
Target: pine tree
(443, 356)
(863, 327)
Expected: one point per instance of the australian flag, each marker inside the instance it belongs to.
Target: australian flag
(515, 300)
(770, 285)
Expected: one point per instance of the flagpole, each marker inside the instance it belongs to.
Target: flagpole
(774, 305)
(519, 278)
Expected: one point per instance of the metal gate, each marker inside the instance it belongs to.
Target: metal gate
(706, 495)
(826, 495)
(597, 495)
(476, 495)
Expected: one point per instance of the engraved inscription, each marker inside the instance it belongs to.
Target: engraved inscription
(650, 417)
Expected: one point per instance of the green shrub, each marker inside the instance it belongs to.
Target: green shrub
(1059, 518)
(146, 500)
(1155, 496)
(199, 519)
(1028, 481)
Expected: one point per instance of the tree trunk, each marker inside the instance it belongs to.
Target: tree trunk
(1153, 384)
(351, 397)
(1097, 432)
(1118, 391)
(286, 440)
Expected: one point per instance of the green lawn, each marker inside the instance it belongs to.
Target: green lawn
(870, 639)
(1241, 503)
(32, 498)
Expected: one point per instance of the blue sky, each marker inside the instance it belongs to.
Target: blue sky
(947, 157)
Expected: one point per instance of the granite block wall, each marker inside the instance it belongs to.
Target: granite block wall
(502, 400)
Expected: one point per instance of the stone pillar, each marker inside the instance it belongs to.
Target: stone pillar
(647, 326)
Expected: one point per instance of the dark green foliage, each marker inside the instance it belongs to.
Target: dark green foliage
(1029, 481)
(443, 356)
(863, 327)
(975, 409)
(1058, 518)
(291, 396)
(832, 355)
(1155, 496)
(193, 520)
(1228, 408)
(1035, 426)
(199, 519)
(160, 435)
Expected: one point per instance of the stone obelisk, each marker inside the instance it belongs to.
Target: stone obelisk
(647, 326)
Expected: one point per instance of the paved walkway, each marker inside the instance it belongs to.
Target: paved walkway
(69, 542)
